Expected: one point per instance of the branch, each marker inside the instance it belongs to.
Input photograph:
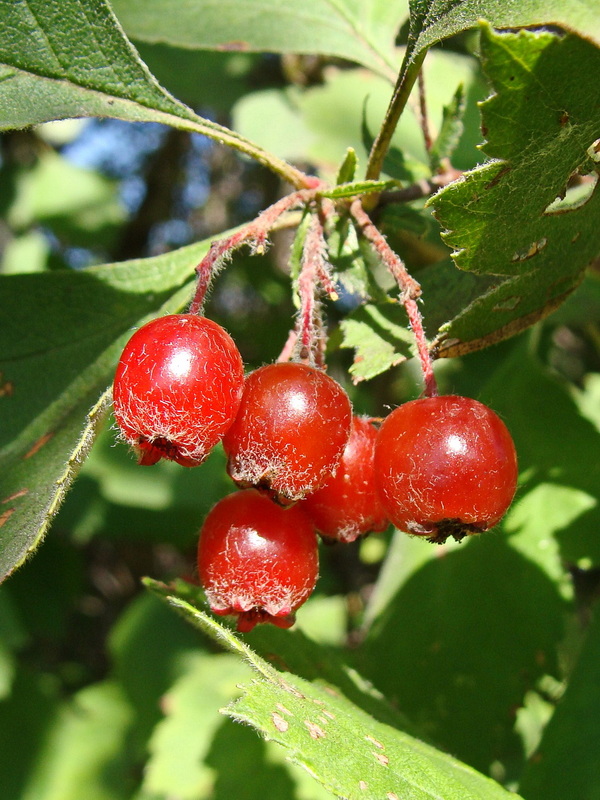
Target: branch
(404, 86)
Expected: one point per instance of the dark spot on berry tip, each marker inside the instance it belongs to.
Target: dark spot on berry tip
(453, 528)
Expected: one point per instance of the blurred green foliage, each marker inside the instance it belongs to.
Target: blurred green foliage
(106, 692)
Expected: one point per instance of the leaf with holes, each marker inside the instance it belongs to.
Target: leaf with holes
(517, 217)
(433, 20)
(349, 752)
(58, 353)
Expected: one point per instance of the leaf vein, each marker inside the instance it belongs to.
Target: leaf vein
(391, 70)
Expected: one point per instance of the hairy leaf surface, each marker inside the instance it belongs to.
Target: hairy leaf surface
(506, 218)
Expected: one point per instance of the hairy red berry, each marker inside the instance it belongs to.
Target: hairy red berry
(348, 505)
(445, 466)
(177, 388)
(290, 431)
(257, 560)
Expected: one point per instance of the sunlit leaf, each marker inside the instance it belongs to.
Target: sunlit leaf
(379, 342)
(541, 126)
(358, 31)
(432, 20)
(72, 59)
(344, 748)
(567, 761)
(84, 750)
(58, 353)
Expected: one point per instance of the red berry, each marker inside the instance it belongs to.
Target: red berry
(257, 560)
(445, 466)
(290, 431)
(348, 505)
(177, 388)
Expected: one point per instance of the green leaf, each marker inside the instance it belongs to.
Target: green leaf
(588, 398)
(39, 469)
(70, 58)
(567, 761)
(190, 748)
(351, 270)
(315, 662)
(559, 503)
(359, 188)
(87, 201)
(308, 120)
(539, 514)
(54, 50)
(30, 709)
(447, 291)
(57, 575)
(84, 753)
(181, 741)
(351, 754)
(468, 632)
(12, 638)
(261, 768)
(150, 650)
(26, 253)
(451, 129)
(405, 556)
(379, 342)
(541, 125)
(433, 20)
(347, 170)
(358, 31)
(582, 307)
(200, 78)
(348, 751)
(59, 350)
(452, 628)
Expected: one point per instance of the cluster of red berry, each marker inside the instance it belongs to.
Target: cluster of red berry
(436, 467)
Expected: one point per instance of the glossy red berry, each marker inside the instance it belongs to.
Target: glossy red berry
(257, 560)
(290, 431)
(348, 506)
(445, 466)
(177, 388)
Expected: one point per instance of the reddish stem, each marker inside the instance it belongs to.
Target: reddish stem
(255, 234)
(408, 285)
(326, 209)
(289, 346)
(212, 263)
(416, 323)
(409, 290)
(308, 340)
(312, 271)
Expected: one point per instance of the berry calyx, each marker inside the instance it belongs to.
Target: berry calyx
(257, 560)
(177, 388)
(348, 505)
(290, 431)
(445, 466)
